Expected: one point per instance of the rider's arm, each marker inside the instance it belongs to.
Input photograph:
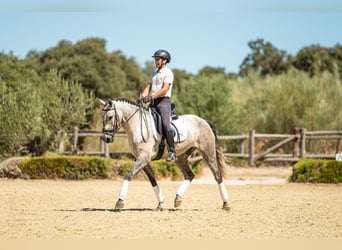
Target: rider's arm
(146, 90)
(162, 91)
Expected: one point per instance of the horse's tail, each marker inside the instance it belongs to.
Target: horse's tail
(221, 161)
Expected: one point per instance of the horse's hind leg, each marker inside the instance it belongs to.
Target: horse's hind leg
(149, 172)
(182, 163)
(211, 160)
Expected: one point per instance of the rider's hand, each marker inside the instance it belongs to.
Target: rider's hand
(146, 99)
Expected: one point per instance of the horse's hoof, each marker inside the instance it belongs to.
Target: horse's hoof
(178, 200)
(225, 206)
(159, 208)
(119, 204)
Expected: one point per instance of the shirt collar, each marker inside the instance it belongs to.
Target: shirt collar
(161, 70)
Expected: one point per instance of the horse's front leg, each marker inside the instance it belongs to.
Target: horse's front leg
(182, 163)
(149, 172)
(139, 164)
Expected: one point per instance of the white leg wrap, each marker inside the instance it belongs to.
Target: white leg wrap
(158, 193)
(124, 190)
(223, 191)
(183, 187)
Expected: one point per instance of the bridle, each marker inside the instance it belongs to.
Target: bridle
(117, 124)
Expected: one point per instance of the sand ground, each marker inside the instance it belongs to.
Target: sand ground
(263, 206)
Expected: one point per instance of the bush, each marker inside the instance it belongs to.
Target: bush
(161, 169)
(65, 167)
(9, 168)
(81, 168)
(317, 171)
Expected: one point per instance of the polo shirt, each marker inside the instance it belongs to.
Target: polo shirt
(159, 77)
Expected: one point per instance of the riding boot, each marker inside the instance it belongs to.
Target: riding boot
(171, 145)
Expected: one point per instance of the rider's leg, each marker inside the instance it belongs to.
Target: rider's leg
(171, 146)
(164, 109)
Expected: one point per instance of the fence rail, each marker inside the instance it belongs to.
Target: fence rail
(298, 141)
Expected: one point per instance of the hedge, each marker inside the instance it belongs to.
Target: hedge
(84, 167)
(317, 171)
(65, 167)
(162, 169)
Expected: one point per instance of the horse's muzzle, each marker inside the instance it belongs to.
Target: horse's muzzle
(107, 138)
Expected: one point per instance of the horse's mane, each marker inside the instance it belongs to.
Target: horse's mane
(124, 99)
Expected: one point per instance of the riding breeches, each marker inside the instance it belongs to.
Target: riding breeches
(163, 106)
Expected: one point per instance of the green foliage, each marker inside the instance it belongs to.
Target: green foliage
(279, 104)
(108, 75)
(161, 169)
(275, 92)
(209, 98)
(39, 109)
(9, 168)
(316, 60)
(210, 71)
(264, 60)
(317, 171)
(64, 167)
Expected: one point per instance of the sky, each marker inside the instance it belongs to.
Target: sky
(197, 33)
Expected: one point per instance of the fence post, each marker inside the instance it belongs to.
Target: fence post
(106, 149)
(296, 132)
(251, 142)
(242, 145)
(75, 140)
(302, 143)
(338, 145)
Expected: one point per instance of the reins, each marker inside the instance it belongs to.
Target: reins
(143, 118)
(117, 126)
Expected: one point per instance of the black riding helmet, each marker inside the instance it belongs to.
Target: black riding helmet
(162, 54)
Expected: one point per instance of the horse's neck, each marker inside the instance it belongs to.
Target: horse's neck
(130, 115)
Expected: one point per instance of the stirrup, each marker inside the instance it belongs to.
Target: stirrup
(172, 157)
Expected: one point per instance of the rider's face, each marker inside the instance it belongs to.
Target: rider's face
(158, 61)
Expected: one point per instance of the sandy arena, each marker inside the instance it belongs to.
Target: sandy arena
(263, 206)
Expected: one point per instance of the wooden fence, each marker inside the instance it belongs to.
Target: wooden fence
(296, 141)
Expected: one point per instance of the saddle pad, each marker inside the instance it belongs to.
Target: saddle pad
(181, 131)
(178, 127)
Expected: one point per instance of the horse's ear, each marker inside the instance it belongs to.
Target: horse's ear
(101, 101)
(109, 101)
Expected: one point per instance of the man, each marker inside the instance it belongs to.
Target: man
(158, 92)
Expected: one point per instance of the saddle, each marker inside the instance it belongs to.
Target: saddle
(177, 126)
(158, 120)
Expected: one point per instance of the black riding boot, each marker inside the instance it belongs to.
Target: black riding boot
(171, 144)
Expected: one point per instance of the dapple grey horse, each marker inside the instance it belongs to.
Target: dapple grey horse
(137, 123)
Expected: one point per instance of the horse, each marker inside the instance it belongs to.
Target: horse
(139, 126)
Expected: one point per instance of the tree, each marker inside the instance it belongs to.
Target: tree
(265, 59)
(37, 111)
(313, 60)
(316, 59)
(108, 75)
(336, 54)
(209, 98)
(210, 71)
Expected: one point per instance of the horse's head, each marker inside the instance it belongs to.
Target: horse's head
(110, 119)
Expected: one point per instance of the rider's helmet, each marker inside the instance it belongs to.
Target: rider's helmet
(162, 54)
